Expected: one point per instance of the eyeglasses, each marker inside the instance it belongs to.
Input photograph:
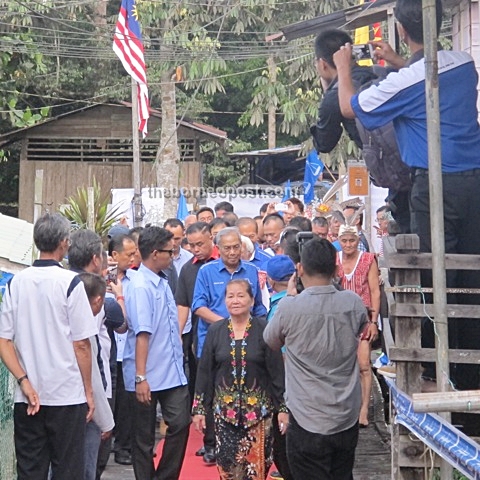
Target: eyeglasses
(171, 252)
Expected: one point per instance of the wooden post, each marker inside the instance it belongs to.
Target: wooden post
(464, 401)
(38, 195)
(137, 189)
(436, 205)
(407, 334)
(91, 220)
(272, 110)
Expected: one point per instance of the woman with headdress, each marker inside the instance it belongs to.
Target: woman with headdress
(358, 271)
(243, 381)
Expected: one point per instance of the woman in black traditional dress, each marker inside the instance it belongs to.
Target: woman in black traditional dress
(243, 380)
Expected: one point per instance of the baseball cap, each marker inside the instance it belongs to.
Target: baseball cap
(118, 230)
(113, 313)
(280, 268)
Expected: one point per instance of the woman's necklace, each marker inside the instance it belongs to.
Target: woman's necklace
(243, 364)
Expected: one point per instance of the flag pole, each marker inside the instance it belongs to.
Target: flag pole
(137, 190)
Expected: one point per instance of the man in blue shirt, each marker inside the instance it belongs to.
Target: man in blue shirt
(279, 270)
(209, 294)
(209, 300)
(401, 98)
(153, 361)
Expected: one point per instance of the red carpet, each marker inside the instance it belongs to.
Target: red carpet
(193, 467)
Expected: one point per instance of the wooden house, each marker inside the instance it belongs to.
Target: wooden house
(68, 151)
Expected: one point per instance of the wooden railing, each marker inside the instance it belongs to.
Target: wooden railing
(407, 307)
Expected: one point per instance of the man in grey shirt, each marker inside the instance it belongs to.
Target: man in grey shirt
(320, 329)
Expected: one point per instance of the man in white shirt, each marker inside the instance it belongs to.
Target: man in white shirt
(45, 326)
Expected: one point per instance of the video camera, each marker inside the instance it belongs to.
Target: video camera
(301, 238)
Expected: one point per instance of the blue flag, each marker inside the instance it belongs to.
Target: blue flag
(182, 210)
(287, 192)
(313, 168)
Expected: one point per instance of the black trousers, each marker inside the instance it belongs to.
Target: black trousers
(461, 197)
(313, 456)
(54, 436)
(209, 430)
(123, 415)
(280, 450)
(189, 362)
(175, 404)
(105, 447)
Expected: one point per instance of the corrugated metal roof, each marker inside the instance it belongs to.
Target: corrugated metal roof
(267, 152)
(348, 18)
(16, 240)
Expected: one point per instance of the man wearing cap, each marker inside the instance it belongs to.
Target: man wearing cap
(279, 270)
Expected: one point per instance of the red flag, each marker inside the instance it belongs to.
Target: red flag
(127, 44)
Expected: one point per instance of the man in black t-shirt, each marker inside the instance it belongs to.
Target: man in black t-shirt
(201, 245)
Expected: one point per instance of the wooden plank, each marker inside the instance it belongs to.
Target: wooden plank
(148, 175)
(423, 261)
(405, 354)
(26, 185)
(122, 176)
(103, 173)
(420, 310)
(76, 176)
(465, 401)
(387, 335)
(407, 335)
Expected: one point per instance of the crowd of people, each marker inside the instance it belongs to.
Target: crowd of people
(258, 329)
(171, 322)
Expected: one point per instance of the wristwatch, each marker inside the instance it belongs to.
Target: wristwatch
(140, 378)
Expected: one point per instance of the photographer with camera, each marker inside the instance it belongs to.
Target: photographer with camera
(328, 129)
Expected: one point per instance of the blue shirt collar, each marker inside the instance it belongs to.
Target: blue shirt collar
(149, 275)
(277, 296)
(221, 266)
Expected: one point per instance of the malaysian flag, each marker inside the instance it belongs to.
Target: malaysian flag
(127, 44)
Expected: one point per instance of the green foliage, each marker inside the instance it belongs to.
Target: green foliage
(295, 93)
(220, 171)
(57, 54)
(76, 210)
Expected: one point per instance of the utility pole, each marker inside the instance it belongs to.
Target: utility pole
(436, 207)
(272, 108)
(136, 166)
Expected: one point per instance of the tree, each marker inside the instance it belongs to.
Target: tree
(288, 85)
(195, 32)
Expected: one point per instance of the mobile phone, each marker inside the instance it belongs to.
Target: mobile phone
(363, 51)
(281, 207)
(112, 273)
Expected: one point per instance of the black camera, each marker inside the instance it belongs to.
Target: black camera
(302, 238)
(363, 51)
